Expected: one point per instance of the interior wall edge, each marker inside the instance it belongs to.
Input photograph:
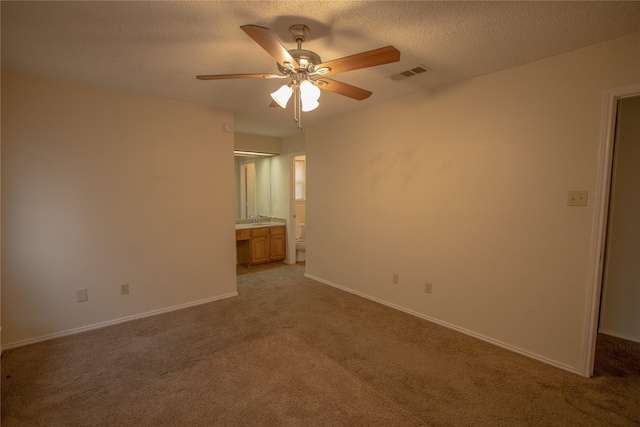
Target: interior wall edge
(531, 355)
(74, 331)
(599, 225)
(103, 188)
(472, 195)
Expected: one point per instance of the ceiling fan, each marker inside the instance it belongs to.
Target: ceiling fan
(305, 70)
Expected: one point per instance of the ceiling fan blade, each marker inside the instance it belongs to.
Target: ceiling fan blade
(269, 42)
(344, 89)
(384, 55)
(239, 76)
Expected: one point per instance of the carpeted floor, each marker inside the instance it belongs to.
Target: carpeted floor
(291, 351)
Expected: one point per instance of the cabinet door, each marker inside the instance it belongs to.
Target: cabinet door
(278, 251)
(259, 245)
(259, 250)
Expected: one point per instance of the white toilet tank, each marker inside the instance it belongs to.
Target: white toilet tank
(300, 231)
(301, 243)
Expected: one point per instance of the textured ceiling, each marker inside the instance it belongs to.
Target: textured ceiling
(157, 48)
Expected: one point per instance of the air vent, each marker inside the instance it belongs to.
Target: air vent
(420, 69)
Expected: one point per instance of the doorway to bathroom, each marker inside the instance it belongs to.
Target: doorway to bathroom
(299, 208)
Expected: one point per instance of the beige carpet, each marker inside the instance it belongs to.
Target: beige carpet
(290, 351)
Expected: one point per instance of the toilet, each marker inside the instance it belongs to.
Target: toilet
(301, 242)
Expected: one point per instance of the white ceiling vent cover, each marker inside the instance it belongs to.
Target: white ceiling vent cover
(420, 69)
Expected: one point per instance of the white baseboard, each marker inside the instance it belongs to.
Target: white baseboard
(619, 335)
(452, 327)
(114, 322)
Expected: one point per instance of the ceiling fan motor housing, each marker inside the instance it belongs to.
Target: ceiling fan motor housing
(306, 60)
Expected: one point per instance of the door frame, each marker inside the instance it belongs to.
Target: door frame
(291, 231)
(600, 218)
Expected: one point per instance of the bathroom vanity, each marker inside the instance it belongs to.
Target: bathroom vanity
(260, 243)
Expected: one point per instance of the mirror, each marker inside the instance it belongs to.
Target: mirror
(252, 186)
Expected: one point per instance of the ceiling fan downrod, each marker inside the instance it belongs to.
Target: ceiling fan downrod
(299, 32)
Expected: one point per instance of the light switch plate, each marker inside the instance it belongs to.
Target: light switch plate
(577, 198)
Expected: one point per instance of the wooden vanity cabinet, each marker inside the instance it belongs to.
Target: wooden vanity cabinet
(261, 245)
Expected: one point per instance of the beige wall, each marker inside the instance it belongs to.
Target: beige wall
(101, 188)
(294, 143)
(620, 315)
(465, 187)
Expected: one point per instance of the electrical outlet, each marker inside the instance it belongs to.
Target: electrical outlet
(124, 289)
(577, 198)
(395, 278)
(427, 287)
(82, 295)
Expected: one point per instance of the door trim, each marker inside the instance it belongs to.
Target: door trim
(599, 225)
(291, 230)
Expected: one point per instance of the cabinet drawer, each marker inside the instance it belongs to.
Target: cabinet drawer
(257, 232)
(243, 234)
(277, 230)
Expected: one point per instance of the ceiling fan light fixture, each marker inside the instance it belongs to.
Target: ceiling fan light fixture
(282, 95)
(309, 105)
(309, 94)
(309, 91)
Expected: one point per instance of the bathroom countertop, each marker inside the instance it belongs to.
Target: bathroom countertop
(258, 225)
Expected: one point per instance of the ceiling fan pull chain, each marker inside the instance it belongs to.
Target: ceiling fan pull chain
(295, 104)
(298, 107)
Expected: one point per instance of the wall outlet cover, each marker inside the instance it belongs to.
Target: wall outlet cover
(82, 295)
(577, 198)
